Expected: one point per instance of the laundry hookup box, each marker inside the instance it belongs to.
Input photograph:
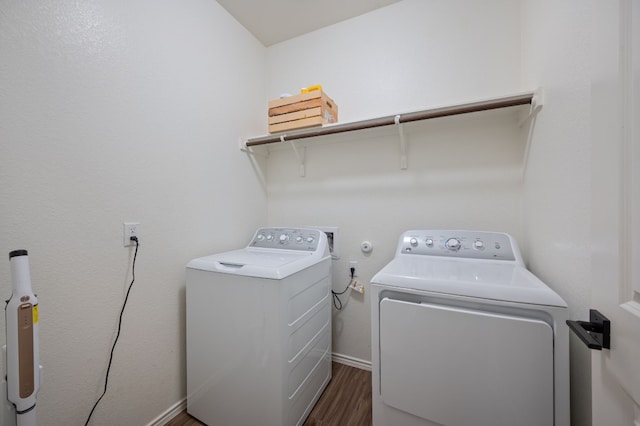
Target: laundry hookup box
(312, 108)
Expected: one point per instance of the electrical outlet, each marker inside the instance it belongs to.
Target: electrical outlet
(131, 229)
(353, 264)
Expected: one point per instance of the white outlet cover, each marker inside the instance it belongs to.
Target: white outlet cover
(130, 229)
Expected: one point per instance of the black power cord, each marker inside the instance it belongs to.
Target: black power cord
(106, 379)
(337, 303)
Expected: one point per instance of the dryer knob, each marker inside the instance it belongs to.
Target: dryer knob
(478, 245)
(299, 239)
(429, 242)
(413, 242)
(269, 237)
(284, 238)
(310, 240)
(452, 244)
(260, 237)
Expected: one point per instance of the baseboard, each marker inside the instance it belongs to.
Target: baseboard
(173, 411)
(180, 406)
(351, 361)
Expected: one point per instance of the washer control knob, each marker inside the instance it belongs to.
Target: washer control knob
(299, 239)
(284, 238)
(269, 237)
(478, 245)
(413, 242)
(260, 237)
(452, 244)
(310, 240)
(429, 242)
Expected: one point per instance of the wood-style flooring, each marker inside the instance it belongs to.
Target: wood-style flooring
(345, 401)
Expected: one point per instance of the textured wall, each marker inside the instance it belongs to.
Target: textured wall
(114, 111)
(131, 111)
(557, 188)
(464, 172)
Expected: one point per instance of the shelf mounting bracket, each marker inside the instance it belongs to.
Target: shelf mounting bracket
(403, 143)
(249, 150)
(537, 101)
(300, 155)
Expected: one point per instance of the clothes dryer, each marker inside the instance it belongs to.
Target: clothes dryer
(463, 334)
(259, 330)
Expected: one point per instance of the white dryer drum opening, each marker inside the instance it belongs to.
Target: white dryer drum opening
(482, 368)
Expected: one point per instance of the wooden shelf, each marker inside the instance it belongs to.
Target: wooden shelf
(466, 108)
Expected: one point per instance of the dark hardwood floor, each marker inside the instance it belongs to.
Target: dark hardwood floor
(345, 401)
(183, 419)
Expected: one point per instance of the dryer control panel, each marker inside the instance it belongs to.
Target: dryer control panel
(287, 238)
(459, 244)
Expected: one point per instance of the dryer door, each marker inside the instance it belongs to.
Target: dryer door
(457, 366)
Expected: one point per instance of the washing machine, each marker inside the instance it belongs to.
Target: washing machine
(464, 335)
(259, 329)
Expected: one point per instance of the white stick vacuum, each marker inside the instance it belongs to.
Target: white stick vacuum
(23, 372)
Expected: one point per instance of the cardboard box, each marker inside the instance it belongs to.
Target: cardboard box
(314, 108)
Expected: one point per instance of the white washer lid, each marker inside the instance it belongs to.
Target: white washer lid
(486, 279)
(260, 263)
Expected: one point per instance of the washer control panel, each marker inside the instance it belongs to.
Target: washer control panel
(286, 238)
(461, 244)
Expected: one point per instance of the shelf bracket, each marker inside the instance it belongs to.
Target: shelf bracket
(242, 144)
(300, 155)
(537, 101)
(403, 143)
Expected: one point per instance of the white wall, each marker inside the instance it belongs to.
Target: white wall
(120, 111)
(418, 54)
(464, 172)
(406, 56)
(557, 187)
(116, 111)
